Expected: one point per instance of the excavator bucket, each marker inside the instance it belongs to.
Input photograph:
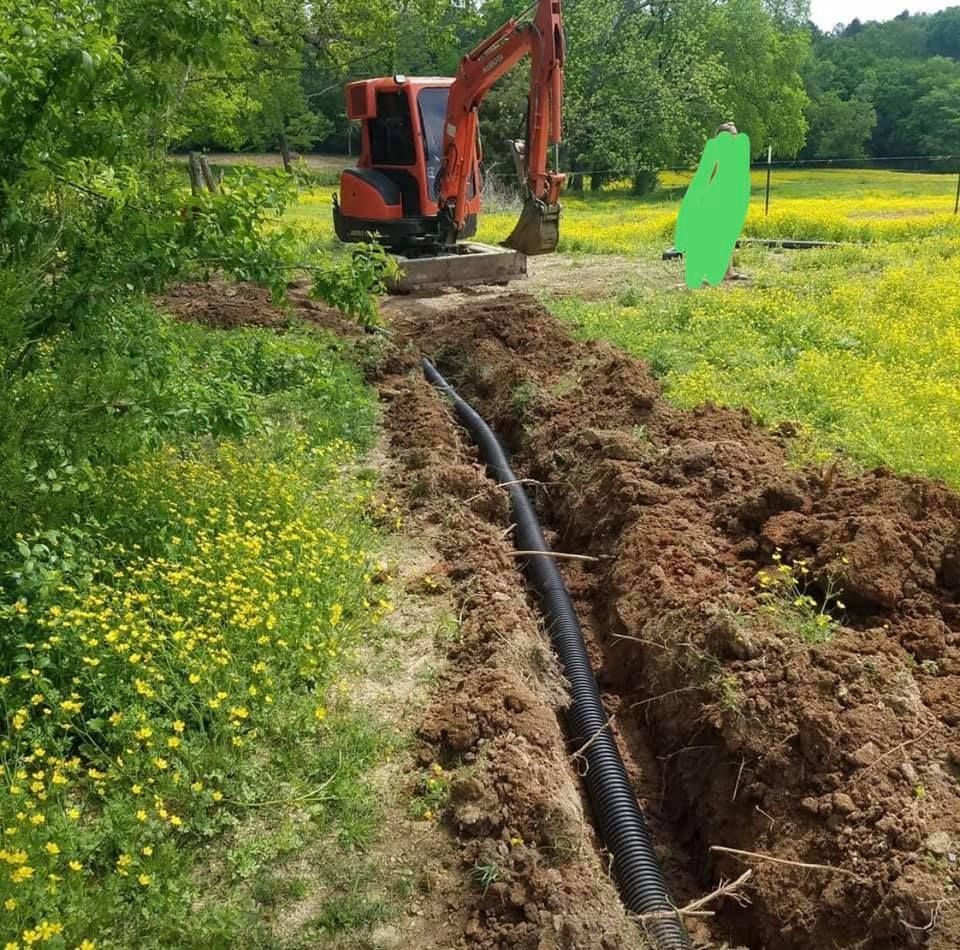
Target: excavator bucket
(538, 230)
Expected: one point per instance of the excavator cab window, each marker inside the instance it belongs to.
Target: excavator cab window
(433, 115)
(391, 132)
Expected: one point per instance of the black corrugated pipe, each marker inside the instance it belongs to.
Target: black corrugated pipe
(622, 825)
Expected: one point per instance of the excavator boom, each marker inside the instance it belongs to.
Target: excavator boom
(416, 187)
(541, 39)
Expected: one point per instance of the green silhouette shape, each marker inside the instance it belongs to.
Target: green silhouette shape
(714, 209)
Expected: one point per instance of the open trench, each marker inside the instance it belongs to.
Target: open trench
(834, 764)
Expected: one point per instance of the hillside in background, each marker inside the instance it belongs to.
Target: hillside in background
(885, 89)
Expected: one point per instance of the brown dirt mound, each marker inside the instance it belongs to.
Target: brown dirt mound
(229, 306)
(744, 734)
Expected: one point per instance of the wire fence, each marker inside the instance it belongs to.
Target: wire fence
(504, 185)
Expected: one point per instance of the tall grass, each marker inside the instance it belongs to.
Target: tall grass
(860, 346)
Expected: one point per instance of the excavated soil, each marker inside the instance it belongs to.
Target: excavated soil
(740, 733)
(531, 873)
(836, 765)
(229, 306)
(515, 807)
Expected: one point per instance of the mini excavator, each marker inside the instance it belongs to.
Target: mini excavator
(417, 186)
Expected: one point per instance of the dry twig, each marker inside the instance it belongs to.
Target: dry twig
(858, 775)
(934, 915)
(654, 699)
(766, 815)
(792, 864)
(519, 481)
(555, 554)
(579, 753)
(736, 788)
(697, 908)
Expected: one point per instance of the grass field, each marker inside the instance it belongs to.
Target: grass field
(862, 206)
(859, 345)
(323, 164)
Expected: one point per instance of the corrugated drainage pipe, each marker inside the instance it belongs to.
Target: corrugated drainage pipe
(622, 825)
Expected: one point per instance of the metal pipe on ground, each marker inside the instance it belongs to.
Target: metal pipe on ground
(621, 823)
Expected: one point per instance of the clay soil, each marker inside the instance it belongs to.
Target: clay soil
(740, 732)
(515, 813)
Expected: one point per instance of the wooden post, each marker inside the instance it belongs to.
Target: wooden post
(956, 205)
(208, 175)
(196, 176)
(576, 177)
(285, 152)
(766, 205)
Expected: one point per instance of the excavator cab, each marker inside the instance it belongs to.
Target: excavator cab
(393, 192)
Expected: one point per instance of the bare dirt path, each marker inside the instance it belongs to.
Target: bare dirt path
(597, 276)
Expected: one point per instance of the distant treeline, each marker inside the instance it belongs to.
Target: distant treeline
(647, 80)
(885, 89)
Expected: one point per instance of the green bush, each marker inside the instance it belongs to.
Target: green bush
(86, 401)
(184, 560)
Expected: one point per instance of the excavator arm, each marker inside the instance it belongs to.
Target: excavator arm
(542, 39)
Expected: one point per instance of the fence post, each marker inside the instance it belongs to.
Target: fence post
(956, 206)
(196, 175)
(766, 205)
(209, 180)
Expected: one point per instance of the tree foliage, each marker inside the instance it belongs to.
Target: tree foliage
(839, 126)
(92, 94)
(906, 70)
(647, 80)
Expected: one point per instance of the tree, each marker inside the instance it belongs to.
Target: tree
(943, 33)
(934, 122)
(905, 69)
(759, 56)
(788, 13)
(839, 128)
(901, 96)
(642, 84)
(90, 209)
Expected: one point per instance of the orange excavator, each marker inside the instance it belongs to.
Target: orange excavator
(417, 186)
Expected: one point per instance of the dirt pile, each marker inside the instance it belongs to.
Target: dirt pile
(743, 731)
(229, 306)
